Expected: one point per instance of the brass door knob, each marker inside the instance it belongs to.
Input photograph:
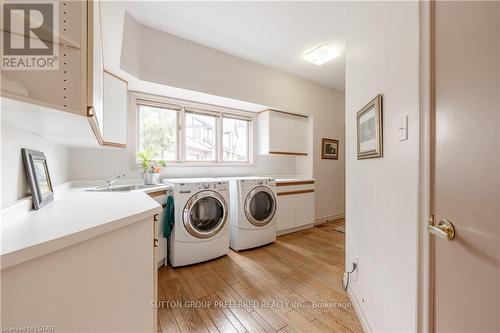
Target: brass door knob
(444, 229)
(155, 242)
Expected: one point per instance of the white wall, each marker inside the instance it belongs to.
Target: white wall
(382, 194)
(14, 185)
(172, 61)
(110, 161)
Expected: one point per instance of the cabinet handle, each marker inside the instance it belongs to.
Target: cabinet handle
(156, 217)
(155, 242)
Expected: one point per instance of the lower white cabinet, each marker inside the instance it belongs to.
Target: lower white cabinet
(295, 208)
(286, 212)
(105, 284)
(161, 249)
(304, 208)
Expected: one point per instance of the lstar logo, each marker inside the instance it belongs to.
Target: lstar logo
(28, 33)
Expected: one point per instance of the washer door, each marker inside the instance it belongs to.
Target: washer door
(260, 206)
(205, 214)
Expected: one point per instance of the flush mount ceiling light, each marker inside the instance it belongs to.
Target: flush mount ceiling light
(322, 54)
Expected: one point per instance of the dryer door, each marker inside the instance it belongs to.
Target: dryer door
(205, 214)
(260, 206)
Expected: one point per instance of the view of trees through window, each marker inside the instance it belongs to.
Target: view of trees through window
(235, 140)
(158, 132)
(205, 136)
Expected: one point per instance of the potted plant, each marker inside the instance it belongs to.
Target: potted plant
(150, 169)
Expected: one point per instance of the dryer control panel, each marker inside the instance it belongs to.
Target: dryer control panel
(250, 183)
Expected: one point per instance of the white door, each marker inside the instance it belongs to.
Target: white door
(467, 167)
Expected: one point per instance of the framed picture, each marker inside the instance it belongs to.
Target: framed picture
(369, 124)
(37, 173)
(329, 149)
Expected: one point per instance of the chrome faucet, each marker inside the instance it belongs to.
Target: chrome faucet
(113, 178)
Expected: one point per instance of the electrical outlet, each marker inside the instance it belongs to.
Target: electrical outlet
(356, 261)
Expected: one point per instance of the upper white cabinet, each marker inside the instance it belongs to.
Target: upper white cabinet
(62, 86)
(114, 110)
(283, 133)
(95, 67)
(72, 94)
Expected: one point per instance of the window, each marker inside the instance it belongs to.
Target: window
(158, 132)
(200, 138)
(235, 140)
(192, 134)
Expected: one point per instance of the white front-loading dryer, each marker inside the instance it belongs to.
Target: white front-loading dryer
(201, 228)
(253, 212)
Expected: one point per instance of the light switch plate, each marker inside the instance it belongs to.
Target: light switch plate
(403, 128)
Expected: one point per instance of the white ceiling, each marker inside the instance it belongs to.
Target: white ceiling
(277, 34)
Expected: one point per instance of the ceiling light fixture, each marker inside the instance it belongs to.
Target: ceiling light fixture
(322, 54)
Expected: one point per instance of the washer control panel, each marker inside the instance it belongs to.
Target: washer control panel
(214, 186)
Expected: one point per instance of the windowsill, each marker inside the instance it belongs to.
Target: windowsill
(206, 164)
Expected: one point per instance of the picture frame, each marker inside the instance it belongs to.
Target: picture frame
(369, 124)
(37, 174)
(329, 149)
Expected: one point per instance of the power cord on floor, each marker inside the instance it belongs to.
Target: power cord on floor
(354, 267)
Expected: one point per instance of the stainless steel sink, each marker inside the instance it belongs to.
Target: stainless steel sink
(120, 188)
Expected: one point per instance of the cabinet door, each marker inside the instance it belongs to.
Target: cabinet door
(62, 88)
(161, 250)
(156, 222)
(286, 212)
(279, 132)
(95, 64)
(298, 134)
(304, 208)
(115, 109)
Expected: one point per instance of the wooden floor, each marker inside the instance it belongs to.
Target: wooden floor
(293, 285)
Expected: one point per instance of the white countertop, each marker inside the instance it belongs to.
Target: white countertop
(279, 179)
(75, 215)
(283, 179)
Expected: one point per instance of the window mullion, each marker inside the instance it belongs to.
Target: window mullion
(220, 137)
(182, 135)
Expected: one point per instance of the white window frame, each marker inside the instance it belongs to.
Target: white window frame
(217, 130)
(189, 106)
(250, 136)
(168, 106)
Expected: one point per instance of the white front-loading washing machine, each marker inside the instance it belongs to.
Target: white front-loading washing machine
(253, 212)
(201, 228)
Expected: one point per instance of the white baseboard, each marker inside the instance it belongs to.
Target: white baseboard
(329, 218)
(288, 231)
(357, 308)
(161, 263)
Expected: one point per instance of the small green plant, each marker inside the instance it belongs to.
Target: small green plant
(148, 165)
(145, 157)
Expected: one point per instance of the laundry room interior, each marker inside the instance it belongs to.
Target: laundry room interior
(178, 166)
